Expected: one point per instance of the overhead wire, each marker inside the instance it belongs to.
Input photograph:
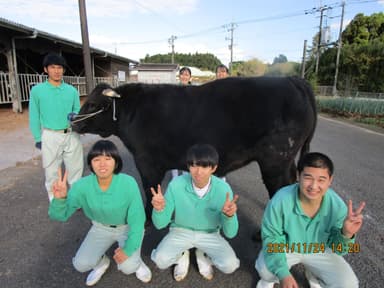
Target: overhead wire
(241, 22)
(216, 28)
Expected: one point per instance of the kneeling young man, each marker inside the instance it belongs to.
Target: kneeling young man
(309, 223)
(198, 205)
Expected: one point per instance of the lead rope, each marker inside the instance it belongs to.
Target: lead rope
(86, 116)
(82, 118)
(114, 111)
(89, 115)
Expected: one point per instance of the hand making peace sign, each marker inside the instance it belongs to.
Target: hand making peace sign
(158, 201)
(230, 207)
(59, 187)
(354, 220)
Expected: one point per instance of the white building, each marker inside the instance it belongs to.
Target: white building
(157, 73)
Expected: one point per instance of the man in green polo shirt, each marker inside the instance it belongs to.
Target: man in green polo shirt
(309, 223)
(50, 104)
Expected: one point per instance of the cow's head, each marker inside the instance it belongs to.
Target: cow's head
(98, 115)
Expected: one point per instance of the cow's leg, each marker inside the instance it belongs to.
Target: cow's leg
(275, 176)
(150, 177)
(277, 173)
(147, 184)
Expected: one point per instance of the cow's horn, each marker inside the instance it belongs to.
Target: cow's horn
(110, 93)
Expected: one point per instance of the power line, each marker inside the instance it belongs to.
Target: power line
(222, 28)
(361, 1)
(157, 15)
(142, 42)
(254, 20)
(217, 28)
(281, 16)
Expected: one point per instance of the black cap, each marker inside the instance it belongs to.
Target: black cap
(54, 59)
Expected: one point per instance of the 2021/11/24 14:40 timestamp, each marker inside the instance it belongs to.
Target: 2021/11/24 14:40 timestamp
(310, 247)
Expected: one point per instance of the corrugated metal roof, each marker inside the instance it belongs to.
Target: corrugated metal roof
(42, 34)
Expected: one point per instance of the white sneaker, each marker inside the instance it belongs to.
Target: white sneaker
(143, 273)
(312, 280)
(265, 284)
(181, 268)
(98, 271)
(205, 264)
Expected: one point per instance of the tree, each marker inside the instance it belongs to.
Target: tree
(361, 59)
(252, 67)
(280, 59)
(364, 29)
(203, 61)
(283, 69)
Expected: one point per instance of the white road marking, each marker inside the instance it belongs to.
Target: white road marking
(351, 125)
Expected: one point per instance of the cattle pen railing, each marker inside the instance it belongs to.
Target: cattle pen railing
(27, 81)
(352, 93)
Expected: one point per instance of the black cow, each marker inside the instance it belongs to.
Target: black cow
(261, 119)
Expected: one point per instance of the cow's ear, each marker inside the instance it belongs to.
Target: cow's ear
(110, 93)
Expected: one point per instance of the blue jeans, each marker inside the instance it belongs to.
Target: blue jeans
(98, 240)
(179, 240)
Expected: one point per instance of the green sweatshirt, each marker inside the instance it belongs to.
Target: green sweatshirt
(120, 204)
(285, 228)
(50, 105)
(194, 213)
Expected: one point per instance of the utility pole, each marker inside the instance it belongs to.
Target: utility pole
(86, 48)
(319, 45)
(230, 46)
(171, 42)
(339, 44)
(319, 39)
(303, 61)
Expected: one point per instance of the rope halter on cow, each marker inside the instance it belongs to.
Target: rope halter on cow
(82, 117)
(106, 92)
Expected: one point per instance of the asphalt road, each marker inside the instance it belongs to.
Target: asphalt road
(36, 252)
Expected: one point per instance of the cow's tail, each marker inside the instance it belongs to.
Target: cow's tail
(307, 92)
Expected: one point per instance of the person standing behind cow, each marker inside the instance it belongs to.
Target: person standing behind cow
(221, 71)
(50, 105)
(185, 76)
(112, 200)
(197, 205)
(309, 223)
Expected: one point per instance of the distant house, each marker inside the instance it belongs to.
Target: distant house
(157, 73)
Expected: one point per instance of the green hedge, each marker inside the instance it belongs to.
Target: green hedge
(370, 111)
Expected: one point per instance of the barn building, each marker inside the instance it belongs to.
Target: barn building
(23, 48)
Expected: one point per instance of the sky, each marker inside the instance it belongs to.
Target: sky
(262, 29)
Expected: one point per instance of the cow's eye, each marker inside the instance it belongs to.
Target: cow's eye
(91, 106)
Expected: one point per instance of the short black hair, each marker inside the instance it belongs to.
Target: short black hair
(54, 59)
(204, 155)
(315, 160)
(221, 66)
(105, 147)
(185, 69)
